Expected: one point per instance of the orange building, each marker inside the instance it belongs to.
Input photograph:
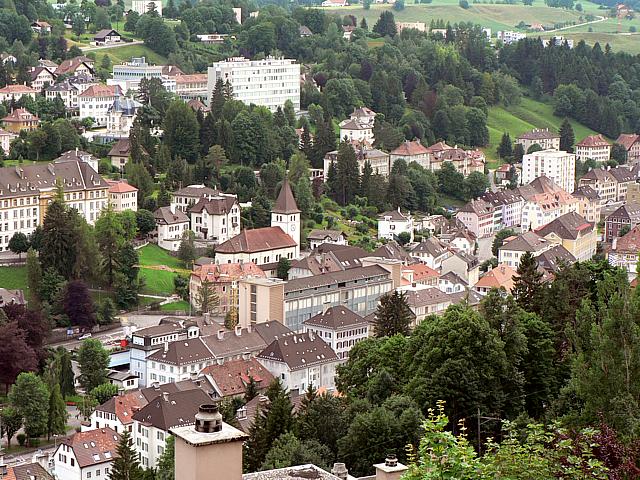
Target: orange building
(20, 119)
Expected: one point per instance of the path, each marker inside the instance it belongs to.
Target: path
(600, 19)
(117, 45)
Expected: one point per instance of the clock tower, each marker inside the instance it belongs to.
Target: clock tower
(285, 213)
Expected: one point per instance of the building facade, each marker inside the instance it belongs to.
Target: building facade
(557, 165)
(593, 147)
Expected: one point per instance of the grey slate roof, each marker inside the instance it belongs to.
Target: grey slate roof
(336, 318)
(299, 351)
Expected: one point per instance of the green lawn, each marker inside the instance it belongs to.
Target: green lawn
(125, 53)
(529, 114)
(175, 306)
(157, 282)
(13, 278)
(154, 255)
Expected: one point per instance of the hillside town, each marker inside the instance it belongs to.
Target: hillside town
(238, 241)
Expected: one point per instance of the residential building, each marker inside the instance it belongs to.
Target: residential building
(301, 360)
(16, 92)
(117, 412)
(190, 87)
(507, 36)
(215, 218)
(122, 196)
(176, 361)
(26, 471)
(318, 237)
(477, 216)
(432, 252)
(128, 75)
(76, 66)
(419, 26)
(550, 261)
(124, 381)
(269, 82)
(5, 140)
(507, 208)
(590, 203)
(546, 139)
(145, 6)
(212, 38)
(304, 31)
(119, 153)
(631, 143)
(41, 27)
(544, 202)
(378, 160)
(557, 165)
(86, 454)
(188, 196)
(151, 424)
(393, 223)
(624, 177)
(232, 378)
(593, 147)
(96, 101)
(465, 162)
(464, 265)
(625, 251)
(262, 246)
(411, 152)
(224, 278)
(107, 37)
(392, 251)
(501, 276)
(326, 258)
(171, 225)
(340, 328)
(41, 78)
(513, 248)
(27, 191)
(424, 301)
(78, 155)
(628, 214)
(260, 300)
(451, 282)
(67, 92)
(20, 119)
(120, 116)
(574, 233)
(633, 189)
(419, 274)
(359, 126)
(358, 289)
(603, 182)
(459, 239)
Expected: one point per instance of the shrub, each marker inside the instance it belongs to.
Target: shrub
(22, 438)
(464, 4)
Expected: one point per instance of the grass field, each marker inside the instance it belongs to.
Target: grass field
(13, 278)
(124, 54)
(515, 120)
(154, 255)
(157, 282)
(175, 306)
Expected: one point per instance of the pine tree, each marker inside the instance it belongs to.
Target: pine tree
(251, 390)
(57, 421)
(324, 142)
(306, 145)
(66, 378)
(527, 288)
(393, 315)
(332, 181)
(505, 149)
(348, 174)
(126, 466)
(34, 277)
(567, 137)
(365, 179)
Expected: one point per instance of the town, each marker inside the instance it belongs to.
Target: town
(252, 240)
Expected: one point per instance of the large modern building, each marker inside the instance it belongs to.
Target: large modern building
(559, 166)
(269, 82)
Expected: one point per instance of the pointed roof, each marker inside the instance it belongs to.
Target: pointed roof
(285, 203)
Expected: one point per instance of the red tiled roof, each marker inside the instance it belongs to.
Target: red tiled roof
(20, 115)
(232, 378)
(422, 271)
(500, 276)
(124, 406)
(120, 187)
(70, 65)
(10, 89)
(628, 139)
(227, 272)
(257, 240)
(194, 78)
(101, 91)
(94, 446)
(630, 242)
(410, 148)
(593, 141)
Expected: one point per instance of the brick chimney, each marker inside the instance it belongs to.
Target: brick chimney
(391, 469)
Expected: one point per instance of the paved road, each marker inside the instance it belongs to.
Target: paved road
(600, 19)
(117, 45)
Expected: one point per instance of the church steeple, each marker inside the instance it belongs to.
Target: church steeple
(285, 213)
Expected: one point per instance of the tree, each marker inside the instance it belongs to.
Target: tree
(284, 265)
(505, 149)
(57, 413)
(288, 450)
(251, 390)
(624, 230)
(19, 243)
(216, 159)
(386, 25)
(106, 312)
(182, 131)
(312, 415)
(78, 305)
(166, 462)
(348, 174)
(145, 221)
(30, 397)
(498, 240)
(104, 392)
(393, 315)
(187, 249)
(93, 361)
(619, 153)
(475, 184)
(34, 276)
(59, 242)
(66, 380)
(126, 465)
(10, 423)
(518, 153)
(527, 285)
(206, 298)
(16, 355)
(86, 406)
(78, 25)
(567, 137)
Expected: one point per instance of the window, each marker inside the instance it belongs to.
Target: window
(88, 474)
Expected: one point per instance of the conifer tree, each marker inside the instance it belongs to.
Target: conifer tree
(348, 174)
(207, 298)
(567, 137)
(126, 466)
(505, 149)
(527, 288)
(393, 315)
(57, 421)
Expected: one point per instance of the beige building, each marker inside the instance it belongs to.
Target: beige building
(546, 139)
(122, 196)
(590, 203)
(574, 233)
(557, 165)
(411, 152)
(419, 26)
(260, 300)
(631, 143)
(119, 153)
(593, 147)
(379, 160)
(194, 86)
(16, 92)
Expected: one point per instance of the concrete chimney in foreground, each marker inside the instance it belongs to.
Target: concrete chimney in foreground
(391, 469)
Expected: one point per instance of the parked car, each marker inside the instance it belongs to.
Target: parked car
(84, 336)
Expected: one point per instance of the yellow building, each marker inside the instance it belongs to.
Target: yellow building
(574, 233)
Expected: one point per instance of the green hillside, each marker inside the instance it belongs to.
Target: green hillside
(125, 53)
(529, 114)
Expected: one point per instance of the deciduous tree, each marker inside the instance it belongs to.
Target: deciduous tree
(30, 397)
(93, 361)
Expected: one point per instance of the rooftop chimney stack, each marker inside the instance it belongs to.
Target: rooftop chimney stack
(208, 419)
(165, 396)
(340, 471)
(391, 469)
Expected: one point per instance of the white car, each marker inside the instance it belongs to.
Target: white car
(85, 336)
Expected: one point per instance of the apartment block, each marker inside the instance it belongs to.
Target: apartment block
(557, 165)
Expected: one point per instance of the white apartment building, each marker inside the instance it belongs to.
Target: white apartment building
(145, 6)
(216, 218)
(96, 101)
(557, 165)
(188, 196)
(86, 455)
(508, 36)
(171, 225)
(121, 115)
(190, 87)
(66, 91)
(269, 82)
(393, 223)
(340, 328)
(42, 77)
(5, 140)
(359, 126)
(129, 74)
(16, 92)
(594, 147)
(122, 196)
(26, 192)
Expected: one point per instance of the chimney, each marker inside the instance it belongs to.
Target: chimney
(208, 419)
(165, 396)
(238, 330)
(193, 376)
(391, 469)
(340, 471)
(220, 334)
(166, 347)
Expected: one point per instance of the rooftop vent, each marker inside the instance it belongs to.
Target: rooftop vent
(208, 419)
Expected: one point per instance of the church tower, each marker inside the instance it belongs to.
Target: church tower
(285, 213)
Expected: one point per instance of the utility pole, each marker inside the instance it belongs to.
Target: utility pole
(486, 419)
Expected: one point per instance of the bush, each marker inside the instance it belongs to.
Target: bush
(464, 4)
(632, 29)
(318, 218)
(22, 438)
